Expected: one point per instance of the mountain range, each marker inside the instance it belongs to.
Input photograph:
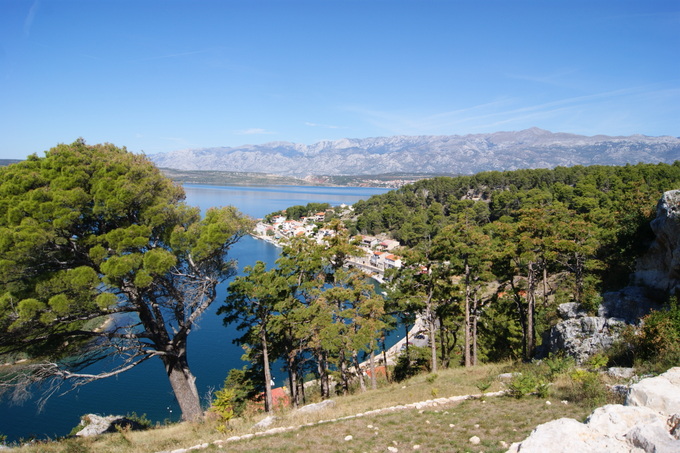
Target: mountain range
(442, 154)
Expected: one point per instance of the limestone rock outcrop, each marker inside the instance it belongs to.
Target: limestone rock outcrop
(581, 336)
(93, 424)
(659, 267)
(649, 421)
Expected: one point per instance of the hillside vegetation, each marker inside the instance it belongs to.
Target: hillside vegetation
(502, 249)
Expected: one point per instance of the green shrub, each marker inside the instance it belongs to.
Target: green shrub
(656, 345)
(587, 388)
(597, 361)
(522, 385)
(558, 364)
(411, 363)
(223, 407)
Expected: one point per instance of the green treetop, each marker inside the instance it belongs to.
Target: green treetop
(89, 232)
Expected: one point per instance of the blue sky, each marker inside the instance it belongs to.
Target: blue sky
(158, 76)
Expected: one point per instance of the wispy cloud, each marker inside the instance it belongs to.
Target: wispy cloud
(254, 131)
(323, 126)
(28, 22)
(585, 112)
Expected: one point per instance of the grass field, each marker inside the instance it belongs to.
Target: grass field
(497, 421)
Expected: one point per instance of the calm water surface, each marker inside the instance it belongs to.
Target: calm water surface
(145, 389)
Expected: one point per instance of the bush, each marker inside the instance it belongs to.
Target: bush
(522, 385)
(656, 345)
(411, 362)
(558, 364)
(587, 388)
(223, 406)
(597, 361)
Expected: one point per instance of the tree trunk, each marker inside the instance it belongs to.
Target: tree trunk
(387, 377)
(323, 375)
(371, 366)
(433, 344)
(545, 284)
(468, 359)
(358, 371)
(268, 400)
(183, 385)
(443, 351)
(343, 374)
(292, 380)
(531, 308)
(474, 331)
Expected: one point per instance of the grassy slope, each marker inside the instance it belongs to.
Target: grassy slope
(497, 421)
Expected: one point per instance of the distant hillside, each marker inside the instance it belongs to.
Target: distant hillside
(226, 178)
(451, 154)
(5, 162)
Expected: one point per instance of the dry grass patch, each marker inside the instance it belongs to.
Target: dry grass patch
(493, 420)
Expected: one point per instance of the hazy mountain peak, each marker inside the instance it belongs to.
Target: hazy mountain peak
(446, 154)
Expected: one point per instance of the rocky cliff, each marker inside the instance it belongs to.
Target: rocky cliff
(659, 268)
(657, 275)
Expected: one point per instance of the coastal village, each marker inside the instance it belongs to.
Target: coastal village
(378, 253)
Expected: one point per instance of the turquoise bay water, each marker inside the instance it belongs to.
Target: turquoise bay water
(145, 389)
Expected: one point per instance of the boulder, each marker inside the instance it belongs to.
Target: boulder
(649, 422)
(660, 393)
(567, 435)
(614, 419)
(583, 336)
(96, 424)
(265, 422)
(653, 439)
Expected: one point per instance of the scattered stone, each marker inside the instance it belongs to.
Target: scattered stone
(427, 421)
(621, 372)
(474, 440)
(265, 422)
(548, 403)
(348, 438)
(452, 425)
(392, 449)
(316, 407)
(503, 444)
(416, 447)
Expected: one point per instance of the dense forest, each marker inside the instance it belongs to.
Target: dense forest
(489, 257)
(486, 261)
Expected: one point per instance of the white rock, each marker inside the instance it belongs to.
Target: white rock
(653, 438)
(265, 422)
(567, 435)
(325, 404)
(615, 419)
(661, 393)
(348, 438)
(393, 449)
(474, 440)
